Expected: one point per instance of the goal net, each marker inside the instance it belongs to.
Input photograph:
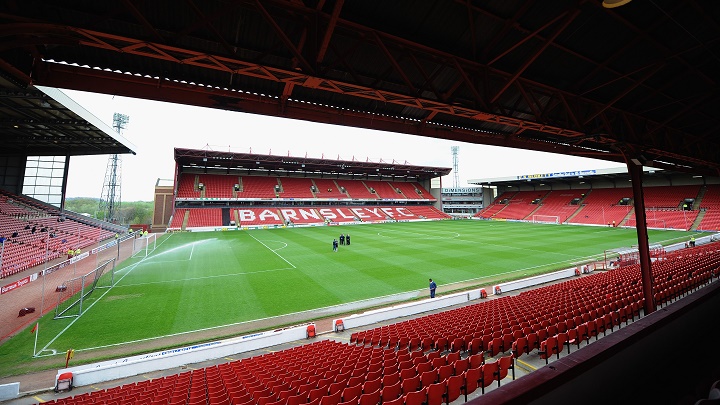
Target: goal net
(649, 222)
(545, 219)
(74, 294)
(145, 245)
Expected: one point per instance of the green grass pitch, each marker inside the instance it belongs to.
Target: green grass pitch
(195, 281)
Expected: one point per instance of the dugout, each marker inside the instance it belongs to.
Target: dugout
(614, 258)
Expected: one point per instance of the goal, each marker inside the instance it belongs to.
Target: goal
(545, 219)
(145, 245)
(74, 293)
(649, 222)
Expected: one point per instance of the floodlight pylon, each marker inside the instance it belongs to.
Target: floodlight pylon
(111, 197)
(456, 174)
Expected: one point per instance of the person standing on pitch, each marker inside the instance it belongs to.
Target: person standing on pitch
(433, 286)
(347, 239)
(335, 245)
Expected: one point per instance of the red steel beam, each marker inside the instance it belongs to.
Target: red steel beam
(537, 54)
(235, 66)
(329, 31)
(635, 169)
(84, 79)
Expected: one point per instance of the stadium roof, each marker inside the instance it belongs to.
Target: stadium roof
(618, 175)
(41, 121)
(217, 160)
(568, 76)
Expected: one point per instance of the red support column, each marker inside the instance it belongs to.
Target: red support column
(635, 169)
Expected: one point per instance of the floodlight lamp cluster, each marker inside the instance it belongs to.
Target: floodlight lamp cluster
(614, 3)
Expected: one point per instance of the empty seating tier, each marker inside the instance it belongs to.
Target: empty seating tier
(602, 206)
(327, 188)
(435, 358)
(36, 234)
(559, 203)
(296, 187)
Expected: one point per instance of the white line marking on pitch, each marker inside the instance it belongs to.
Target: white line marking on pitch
(268, 247)
(95, 302)
(204, 278)
(280, 248)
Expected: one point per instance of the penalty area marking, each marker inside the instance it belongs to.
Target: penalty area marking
(205, 277)
(151, 258)
(131, 268)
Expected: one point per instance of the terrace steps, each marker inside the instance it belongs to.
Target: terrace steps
(698, 220)
(699, 198)
(186, 218)
(627, 217)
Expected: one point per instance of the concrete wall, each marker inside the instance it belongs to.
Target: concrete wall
(533, 281)
(125, 367)
(9, 391)
(412, 308)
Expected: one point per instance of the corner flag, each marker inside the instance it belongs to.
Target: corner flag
(35, 328)
(68, 356)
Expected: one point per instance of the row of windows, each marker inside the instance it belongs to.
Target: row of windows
(44, 178)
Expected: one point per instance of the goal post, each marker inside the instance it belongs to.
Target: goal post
(655, 223)
(545, 219)
(144, 245)
(73, 293)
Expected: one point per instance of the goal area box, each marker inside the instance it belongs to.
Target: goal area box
(73, 294)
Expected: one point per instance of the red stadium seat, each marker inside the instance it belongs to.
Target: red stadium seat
(435, 393)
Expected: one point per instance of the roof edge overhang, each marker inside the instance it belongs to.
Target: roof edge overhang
(73, 106)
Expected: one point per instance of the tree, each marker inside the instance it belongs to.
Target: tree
(134, 212)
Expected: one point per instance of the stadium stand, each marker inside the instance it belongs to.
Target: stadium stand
(382, 364)
(296, 187)
(605, 206)
(558, 203)
(669, 196)
(664, 207)
(222, 186)
(178, 219)
(709, 205)
(327, 188)
(259, 216)
(666, 219)
(429, 212)
(205, 217)
(496, 206)
(271, 216)
(710, 221)
(216, 186)
(187, 183)
(257, 187)
(711, 197)
(383, 190)
(306, 215)
(520, 205)
(356, 189)
(600, 207)
(411, 191)
(36, 233)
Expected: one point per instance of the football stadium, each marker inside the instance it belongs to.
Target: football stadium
(269, 279)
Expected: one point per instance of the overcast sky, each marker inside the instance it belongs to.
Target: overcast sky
(155, 128)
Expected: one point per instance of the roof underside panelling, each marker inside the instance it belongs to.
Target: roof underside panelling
(564, 76)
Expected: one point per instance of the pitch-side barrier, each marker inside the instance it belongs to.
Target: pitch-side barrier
(129, 366)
